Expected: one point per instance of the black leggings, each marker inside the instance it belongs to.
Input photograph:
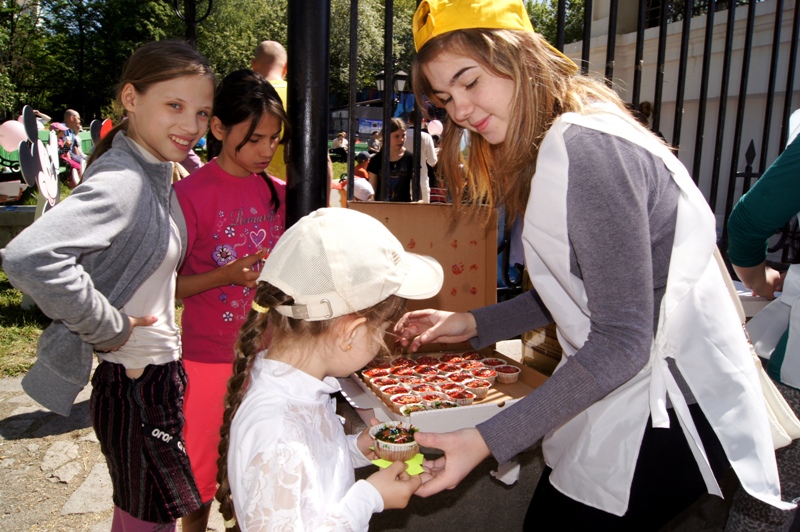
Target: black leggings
(666, 481)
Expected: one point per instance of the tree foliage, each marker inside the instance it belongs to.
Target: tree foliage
(59, 54)
(544, 16)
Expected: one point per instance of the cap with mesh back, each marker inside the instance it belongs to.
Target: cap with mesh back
(337, 261)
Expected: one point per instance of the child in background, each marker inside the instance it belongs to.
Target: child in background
(234, 215)
(362, 160)
(102, 266)
(285, 461)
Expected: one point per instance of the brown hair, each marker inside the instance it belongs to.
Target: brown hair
(545, 87)
(153, 63)
(280, 329)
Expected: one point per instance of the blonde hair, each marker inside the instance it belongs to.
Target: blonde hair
(261, 329)
(545, 87)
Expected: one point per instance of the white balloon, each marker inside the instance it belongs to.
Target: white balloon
(435, 127)
(11, 134)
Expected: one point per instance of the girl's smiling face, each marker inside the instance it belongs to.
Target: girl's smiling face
(255, 155)
(474, 97)
(171, 116)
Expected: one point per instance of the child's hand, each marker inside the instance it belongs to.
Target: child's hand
(241, 271)
(395, 485)
(365, 441)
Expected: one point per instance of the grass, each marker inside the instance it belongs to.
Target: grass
(19, 331)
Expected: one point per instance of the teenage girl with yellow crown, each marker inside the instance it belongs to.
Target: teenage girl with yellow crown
(657, 393)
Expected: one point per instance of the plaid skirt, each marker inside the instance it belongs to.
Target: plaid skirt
(140, 427)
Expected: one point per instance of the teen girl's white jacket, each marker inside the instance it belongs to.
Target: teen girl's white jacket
(593, 456)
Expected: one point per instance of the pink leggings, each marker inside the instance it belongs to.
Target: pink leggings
(125, 522)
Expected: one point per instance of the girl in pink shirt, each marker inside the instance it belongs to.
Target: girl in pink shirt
(235, 214)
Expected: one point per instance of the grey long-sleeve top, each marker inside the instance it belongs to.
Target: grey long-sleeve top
(84, 259)
(621, 213)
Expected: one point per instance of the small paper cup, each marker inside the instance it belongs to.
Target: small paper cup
(378, 382)
(494, 362)
(407, 410)
(442, 405)
(460, 377)
(479, 387)
(427, 360)
(371, 373)
(461, 397)
(425, 371)
(486, 373)
(422, 389)
(447, 368)
(400, 400)
(393, 452)
(394, 389)
(507, 374)
(437, 379)
(431, 398)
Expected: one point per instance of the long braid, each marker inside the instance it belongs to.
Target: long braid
(253, 339)
(249, 344)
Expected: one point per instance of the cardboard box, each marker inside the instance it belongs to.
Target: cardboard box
(466, 249)
(541, 349)
(363, 398)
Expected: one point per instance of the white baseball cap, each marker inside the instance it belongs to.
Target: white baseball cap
(362, 190)
(337, 261)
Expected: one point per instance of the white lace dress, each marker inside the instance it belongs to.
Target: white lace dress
(290, 464)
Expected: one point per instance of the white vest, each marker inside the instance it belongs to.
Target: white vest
(593, 455)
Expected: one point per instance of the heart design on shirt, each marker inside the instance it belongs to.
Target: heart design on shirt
(257, 237)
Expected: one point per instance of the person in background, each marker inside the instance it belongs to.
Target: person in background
(772, 201)
(235, 213)
(192, 162)
(362, 160)
(656, 395)
(401, 165)
(73, 121)
(339, 147)
(428, 154)
(285, 461)
(271, 61)
(374, 143)
(102, 266)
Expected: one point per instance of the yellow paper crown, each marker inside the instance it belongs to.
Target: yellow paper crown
(436, 17)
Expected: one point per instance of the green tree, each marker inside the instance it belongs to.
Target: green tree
(229, 36)
(22, 47)
(544, 17)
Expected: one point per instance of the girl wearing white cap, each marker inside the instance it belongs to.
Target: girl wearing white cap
(656, 394)
(285, 462)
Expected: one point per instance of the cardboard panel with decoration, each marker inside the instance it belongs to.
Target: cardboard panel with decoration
(466, 248)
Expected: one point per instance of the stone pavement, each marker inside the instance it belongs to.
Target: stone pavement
(52, 473)
(53, 477)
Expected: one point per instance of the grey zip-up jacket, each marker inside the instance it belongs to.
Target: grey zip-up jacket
(85, 258)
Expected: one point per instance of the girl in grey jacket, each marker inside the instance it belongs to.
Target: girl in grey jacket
(102, 266)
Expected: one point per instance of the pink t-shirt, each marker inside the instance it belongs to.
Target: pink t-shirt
(227, 218)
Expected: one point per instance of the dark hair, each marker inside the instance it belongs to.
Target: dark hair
(257, 328)
(152, 63)
(245, 95)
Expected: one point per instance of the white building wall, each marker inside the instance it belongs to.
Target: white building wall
(755, 106)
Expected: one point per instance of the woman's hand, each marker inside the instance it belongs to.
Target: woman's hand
(762, 280)
(395, 485)
(463, 451)
(430, 325)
